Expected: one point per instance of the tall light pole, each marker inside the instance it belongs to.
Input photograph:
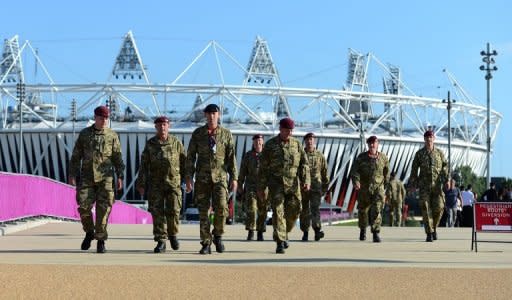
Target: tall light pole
(20, 91)
(488, 60)
(449, 102)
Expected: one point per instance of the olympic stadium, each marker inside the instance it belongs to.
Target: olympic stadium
(40, 120)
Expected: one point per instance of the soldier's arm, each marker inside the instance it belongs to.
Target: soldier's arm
(263, 170)
(354, 174)
(231, 158)
(386, 170)
(118, 157)
(323, 174)
(243, 172)
(190, 165)
(76, 158)
(304, 169)
(414, 170)
(183, 160)
(140, 184)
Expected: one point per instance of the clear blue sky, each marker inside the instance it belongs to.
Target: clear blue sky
(308, 40)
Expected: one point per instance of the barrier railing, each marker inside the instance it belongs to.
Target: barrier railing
(23, 196)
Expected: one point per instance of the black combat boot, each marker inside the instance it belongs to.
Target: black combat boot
(175, 245)
(219, 245)
(260, 236)
(86, 243)
(434, 235)
(362, 235)
(160, 247)
(319, 235)
(305, 236)
(376, 237)
(100, 247)
(429, 237)
(250, 235)
(205, 249)
(280, 248)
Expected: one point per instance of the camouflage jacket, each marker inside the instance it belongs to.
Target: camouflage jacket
(371, 173)
(249, 169)
(162, 163)
(284, 164)
(318, 170)
(432, 167)
(211, 157)
(395, 190)
(96, 155)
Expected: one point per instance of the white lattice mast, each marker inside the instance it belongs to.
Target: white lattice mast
(128, 65)
(11, 67)
(262, 71)
(357, 81)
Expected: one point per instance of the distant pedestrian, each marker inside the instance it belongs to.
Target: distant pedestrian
(96, 162)
(431, 164)
(310, 214)
(285, 172)
(490, 195)
(211, 160)
(468, 199)
(370, 176)
(161, 169)
(255, 207)
(395, 194)
(451, 196)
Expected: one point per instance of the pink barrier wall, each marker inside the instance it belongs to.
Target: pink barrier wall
(24, 195)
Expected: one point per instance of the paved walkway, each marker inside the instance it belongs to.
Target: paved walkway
(47, 258)
(58, 243)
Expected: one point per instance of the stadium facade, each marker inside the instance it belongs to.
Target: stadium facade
(39, 141)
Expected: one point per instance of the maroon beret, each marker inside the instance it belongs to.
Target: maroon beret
(257, 136)
(308, 135)
(287, 123)
(428, 133)
(371, 139)
(211, 108)
(101, 111)
(162, 119)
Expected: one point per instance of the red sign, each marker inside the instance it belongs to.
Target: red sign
(493, 216)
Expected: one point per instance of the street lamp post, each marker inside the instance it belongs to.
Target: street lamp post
(449, 102)
(20, 91)
(488, 60)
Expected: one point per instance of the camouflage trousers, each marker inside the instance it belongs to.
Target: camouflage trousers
(286, 208)
(255, 211)
(369, 209)
(101, 194)
(164, 204)
(204, 191)
(432, 207)
(310, 214)
(395, 213)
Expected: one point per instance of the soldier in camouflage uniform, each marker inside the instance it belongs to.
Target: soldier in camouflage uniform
(370, 176)
(284, 170)
(310, 214)
(433, 173)
(160, 171)
(395, 194)
(96, 157)
(255, 207)
(211, 157)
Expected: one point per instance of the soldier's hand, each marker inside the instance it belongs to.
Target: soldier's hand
(306, 187)
(119, 184)
(357, 186)
(140, 190)
(234, 185)
(188, 185)
(72, 180)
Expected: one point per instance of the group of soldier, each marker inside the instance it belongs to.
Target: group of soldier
(292, 178)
